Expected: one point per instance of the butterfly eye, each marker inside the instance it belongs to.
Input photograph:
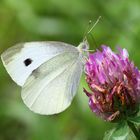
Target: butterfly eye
(27, 62)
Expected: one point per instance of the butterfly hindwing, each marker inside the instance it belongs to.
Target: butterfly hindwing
(51, 87)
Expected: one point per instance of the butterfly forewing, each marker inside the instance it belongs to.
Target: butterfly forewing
(22, 59)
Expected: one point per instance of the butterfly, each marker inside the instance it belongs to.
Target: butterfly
(48, 72)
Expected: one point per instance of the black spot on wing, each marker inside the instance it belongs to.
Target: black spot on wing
(27, 62)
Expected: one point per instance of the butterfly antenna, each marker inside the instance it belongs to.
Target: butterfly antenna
(90, 28)
(94, 24)
(86, 31)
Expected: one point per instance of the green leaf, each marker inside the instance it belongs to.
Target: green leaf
(108, 134)
(135, 120)
(121, 132)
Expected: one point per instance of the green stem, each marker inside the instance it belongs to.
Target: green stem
(134, 129)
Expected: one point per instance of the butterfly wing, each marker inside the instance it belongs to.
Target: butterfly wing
(51, 87)
(21, 59)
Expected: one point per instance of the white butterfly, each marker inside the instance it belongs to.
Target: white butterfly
(48, 72)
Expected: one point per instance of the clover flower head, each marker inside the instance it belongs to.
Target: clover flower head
(114, 82)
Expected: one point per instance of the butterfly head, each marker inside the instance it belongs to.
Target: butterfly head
(83, 47)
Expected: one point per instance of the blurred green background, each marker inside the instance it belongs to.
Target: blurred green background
(61, 20)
